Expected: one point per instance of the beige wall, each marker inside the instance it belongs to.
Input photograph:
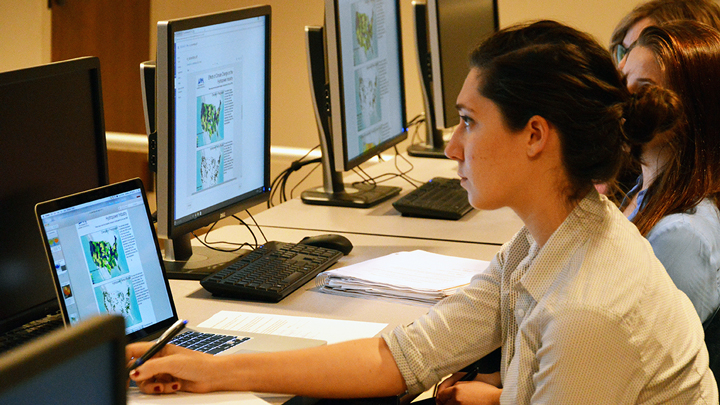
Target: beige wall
(24, 33)
(293, 121)
(25, 41)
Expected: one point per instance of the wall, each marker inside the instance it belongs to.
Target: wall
(293, 121)
(25, 41)
(24, 33)
(597, 17)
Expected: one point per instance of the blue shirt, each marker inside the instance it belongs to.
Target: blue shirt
(688, 245)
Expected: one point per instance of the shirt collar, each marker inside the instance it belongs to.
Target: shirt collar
(553, 257)
(640, 197)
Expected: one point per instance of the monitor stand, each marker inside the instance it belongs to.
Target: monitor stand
(333, 191)
(184, 262)
(425, 150)
(434, 146)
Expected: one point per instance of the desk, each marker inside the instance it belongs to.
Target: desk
(486, 227)
(196, 304)
(374, 232)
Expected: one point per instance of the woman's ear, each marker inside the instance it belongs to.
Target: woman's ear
(538, 131)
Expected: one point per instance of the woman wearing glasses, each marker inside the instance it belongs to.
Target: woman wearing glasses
(582, 309)
(675, 201)
(656, 12)
(653, 12)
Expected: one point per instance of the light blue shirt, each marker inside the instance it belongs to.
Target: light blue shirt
(688, 245)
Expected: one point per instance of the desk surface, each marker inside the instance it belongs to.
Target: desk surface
(374, 232)
(487, 227)
(196, 304)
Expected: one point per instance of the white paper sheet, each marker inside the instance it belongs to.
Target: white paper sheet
(417, 275)
(135, 397)
(329, 330)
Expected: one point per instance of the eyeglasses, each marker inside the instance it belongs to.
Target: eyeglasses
(620, 52)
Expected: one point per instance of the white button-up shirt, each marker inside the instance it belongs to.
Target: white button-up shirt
(591, 318)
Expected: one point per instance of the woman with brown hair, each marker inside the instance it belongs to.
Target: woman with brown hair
(582, 309)
(656, 12)
(653, 12)
(675, 201)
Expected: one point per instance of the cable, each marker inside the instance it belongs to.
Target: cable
(256, 224)
(416, 122)
(303, 179)
(367, 179)
(248, 227)
(279, 184)
(208, 244)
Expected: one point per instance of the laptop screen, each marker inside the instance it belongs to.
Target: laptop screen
(106, 259)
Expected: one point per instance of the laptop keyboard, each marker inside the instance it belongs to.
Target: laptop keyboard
(210, 343)
(29, 332)
(439, 198)
(271, 272)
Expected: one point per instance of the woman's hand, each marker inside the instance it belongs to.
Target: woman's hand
(172, 369)
(483, 390)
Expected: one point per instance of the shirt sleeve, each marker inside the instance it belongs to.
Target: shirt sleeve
(688, 258)
(455, 332)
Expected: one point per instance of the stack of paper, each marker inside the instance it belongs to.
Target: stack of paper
(417, 275)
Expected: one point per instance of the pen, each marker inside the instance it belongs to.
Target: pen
(470, 375)
(159, 344)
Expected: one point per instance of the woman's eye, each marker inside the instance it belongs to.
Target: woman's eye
(465, 120)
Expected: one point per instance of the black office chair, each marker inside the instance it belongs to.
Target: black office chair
(712, 341)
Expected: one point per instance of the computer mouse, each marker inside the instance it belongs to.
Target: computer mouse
(329, 241)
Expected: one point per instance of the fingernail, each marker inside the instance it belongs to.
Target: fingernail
(134, 373)
(157, 388)
(175, 387)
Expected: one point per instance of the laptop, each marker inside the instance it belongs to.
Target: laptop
(104, 258)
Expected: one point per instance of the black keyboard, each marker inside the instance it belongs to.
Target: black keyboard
(29, 332)
(207, 342)
(271, 272)
(440, 198)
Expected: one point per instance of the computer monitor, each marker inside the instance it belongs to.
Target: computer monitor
(53, 144)
(446, 31)
(356, 75)
(83, 364)
(213, 129)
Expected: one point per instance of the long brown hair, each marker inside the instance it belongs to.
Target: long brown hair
(689, 55)
(662, 11)
(565, 76)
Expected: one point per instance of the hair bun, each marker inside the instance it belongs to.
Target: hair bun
(650, 111)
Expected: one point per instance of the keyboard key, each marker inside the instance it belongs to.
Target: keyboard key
(271, 272)
(440, 198)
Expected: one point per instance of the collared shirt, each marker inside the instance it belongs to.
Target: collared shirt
(591, 317)
(688, 246)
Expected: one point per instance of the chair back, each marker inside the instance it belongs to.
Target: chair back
(712, 341)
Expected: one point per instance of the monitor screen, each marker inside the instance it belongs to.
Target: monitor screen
(356, 77)
(455, 28)
(213, 120)
(53, 143)
(367, 92)
(106, 259)
(83, 364)
(446, 31)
